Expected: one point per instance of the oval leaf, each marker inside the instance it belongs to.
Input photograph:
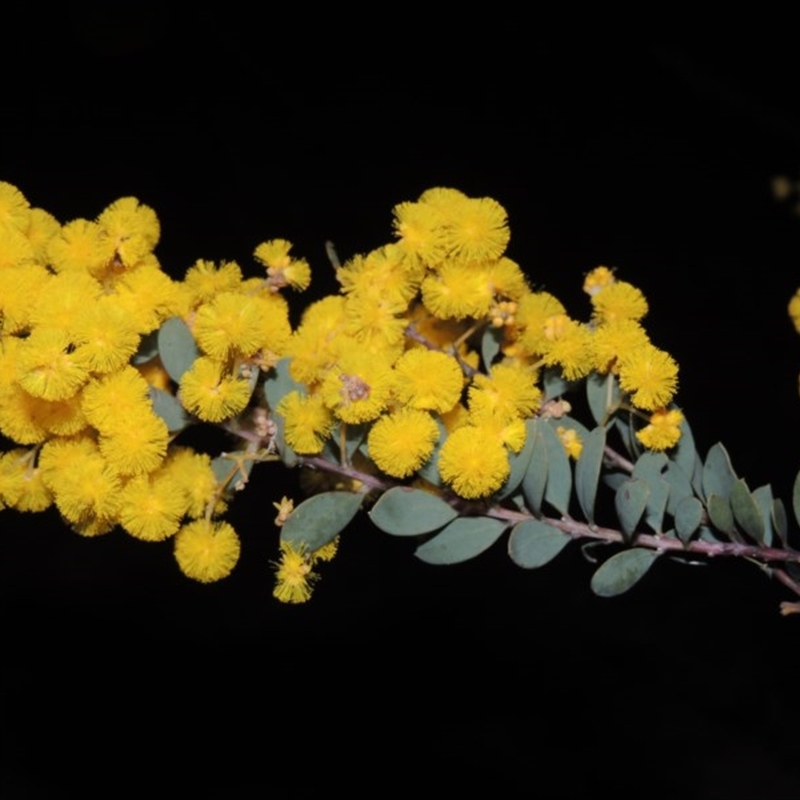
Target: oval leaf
(558, 489)
(169, 409)
(721, 515)
(462, 539)
(318, 520)
(519, 462)
(718, 474)
(587, 470)
(630, 502)
(176, 347)
(780, 521)
(622, 571)
(685, 452)
(535, 478)
(688, 516)
(602, 393)
(408, 512)
(746, 512)
(533, 543)
(764, 499)
(650, 467)
(680, 486)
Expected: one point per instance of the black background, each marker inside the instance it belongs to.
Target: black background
(657, 160)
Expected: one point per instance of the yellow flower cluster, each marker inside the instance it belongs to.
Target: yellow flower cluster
(400, 353)
(76, 301)
(402, 337)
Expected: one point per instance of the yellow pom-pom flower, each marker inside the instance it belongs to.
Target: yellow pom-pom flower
(400, 443)
(650, 376)
(210, 394)
(458, 289)
(229, 324)
(79, 477)
(568, 345)
(477, 229)
(509, 392)
(473, 463)
(14, 207)
(118, 396)
(151, 508)
(533, 312)
(136, 446)
(207, 551)
(42, 229)
(191, 475)
(421, 232)
(80, 246)
(619, 300)
(613, 340)
(307, 422)
(47, 367)
(428, 380)
(358, 389)
(132, 228)
(21, 484)
(64, 296)
(104, 336)
(204, 280)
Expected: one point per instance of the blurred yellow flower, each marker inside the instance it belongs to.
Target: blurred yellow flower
(663, 430)
(597, 279)
(571, 440)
